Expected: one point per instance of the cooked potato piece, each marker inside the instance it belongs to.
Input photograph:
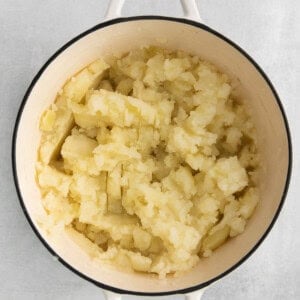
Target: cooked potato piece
(125, 86)
(91, 207)
(174, 67)
(155, 71)
(139, 262)
(181, 180)
(142, 239)
(125, 136)
(229, 175)
(48, 120)
(77, 153)
(51, 179)
(211, 242)
(90, 192)
(148, 139)
(199, 161)
(52, 140)
(77, 146)
(60, 210)
(117, 109)
(237, 226)
(114, 203)
(89, 78)
(150, 165)
(57, 129)
(248, 202)
(106, 85)
(108, 156)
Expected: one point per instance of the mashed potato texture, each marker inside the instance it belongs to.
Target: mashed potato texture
(150, 158)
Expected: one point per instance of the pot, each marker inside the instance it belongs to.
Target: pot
(190, 35)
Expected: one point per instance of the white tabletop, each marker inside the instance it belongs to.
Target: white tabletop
(31, 30)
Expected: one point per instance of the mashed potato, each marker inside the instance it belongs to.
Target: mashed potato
(150, 158)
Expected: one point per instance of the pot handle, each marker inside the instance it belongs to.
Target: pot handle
(191, 296)
(197, 295)
(189, 7)
(111, 295)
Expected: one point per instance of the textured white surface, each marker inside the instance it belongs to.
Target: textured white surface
(30, 31)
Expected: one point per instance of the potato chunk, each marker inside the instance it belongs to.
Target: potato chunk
(230, 176)
(114, 204)
(248, 202)
(52, 140)
(51, 179)
(77, 153)
(142, 239)
(87, 79)
(211, 242)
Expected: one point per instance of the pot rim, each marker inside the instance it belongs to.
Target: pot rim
(35, 80)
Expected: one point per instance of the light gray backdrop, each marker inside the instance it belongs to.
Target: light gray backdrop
(31, 30)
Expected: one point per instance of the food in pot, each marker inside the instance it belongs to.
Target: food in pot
(150, 158)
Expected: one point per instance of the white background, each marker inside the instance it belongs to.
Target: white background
(31, 30)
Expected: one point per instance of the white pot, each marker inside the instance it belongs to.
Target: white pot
(122, 35)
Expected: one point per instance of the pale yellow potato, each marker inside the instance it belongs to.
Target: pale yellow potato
(57, 122)
(113, 188)
(142, 239)
(211, 242)
(248, 202)
(151, 165)
(77, 153)
(229, 175)
(89, 78)
(52, 140)
(109, 155)
(118, 110)
(48, 120)
(51, 179)
(139, 262)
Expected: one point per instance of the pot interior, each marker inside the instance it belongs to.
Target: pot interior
(119, 37)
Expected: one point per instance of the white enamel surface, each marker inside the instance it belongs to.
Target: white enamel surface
(190, 9)
(112, 296)
(197, 295)
(259, 98)
(114, 9)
